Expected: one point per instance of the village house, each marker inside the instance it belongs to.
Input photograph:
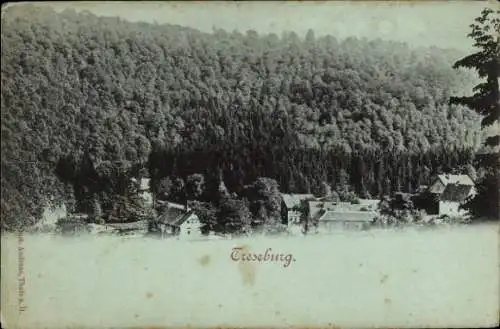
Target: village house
(451, 192)
(317, 207)
(290, 207)
(177, 220)
(339, 219)
(144, 190)
(73, 223)
(330, 215)
(51, 215)
(453, 196)
(439, 184)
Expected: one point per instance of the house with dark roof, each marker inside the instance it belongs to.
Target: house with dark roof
(451, 191)
(441, 181)
(290, 207)
(176, 220)
(453, 196)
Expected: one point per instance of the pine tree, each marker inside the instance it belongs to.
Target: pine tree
(486, 62)
(485, 101)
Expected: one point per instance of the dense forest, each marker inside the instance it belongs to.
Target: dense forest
(88, 102)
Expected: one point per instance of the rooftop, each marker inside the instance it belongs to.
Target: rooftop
(143, 224)
(455, 179)
(456, 192)
(174, 214)
(347, 216)
(168, 204)
(292, 200)
(364, 204)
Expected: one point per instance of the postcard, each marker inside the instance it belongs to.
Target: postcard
(250, 164)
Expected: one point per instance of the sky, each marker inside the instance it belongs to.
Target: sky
(420, 23)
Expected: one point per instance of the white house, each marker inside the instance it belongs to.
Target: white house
(290, 204)
(453, 196)
(185, 226)
(189, 225)
(178, 220)
(452, 191)
(144, 190)
(50, 217)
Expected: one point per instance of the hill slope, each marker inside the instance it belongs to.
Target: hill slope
(88, 101)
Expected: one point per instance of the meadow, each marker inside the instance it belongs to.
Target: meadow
(444, 277)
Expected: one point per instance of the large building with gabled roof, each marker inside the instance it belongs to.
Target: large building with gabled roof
(452, 191)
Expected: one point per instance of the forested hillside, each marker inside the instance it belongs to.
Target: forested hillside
(87, 102)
